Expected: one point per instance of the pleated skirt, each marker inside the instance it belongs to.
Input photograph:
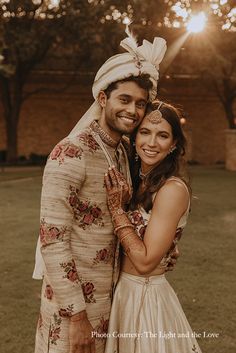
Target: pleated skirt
(146, 316)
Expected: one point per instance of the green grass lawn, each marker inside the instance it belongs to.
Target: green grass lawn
(204, 278)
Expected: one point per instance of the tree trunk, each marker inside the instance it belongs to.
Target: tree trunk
(230, 114)
(12, 101)
(228, 105)
(11, 128)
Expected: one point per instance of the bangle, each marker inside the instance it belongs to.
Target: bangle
(123, 238)
(127, 225)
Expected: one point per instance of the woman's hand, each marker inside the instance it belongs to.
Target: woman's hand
(118, 190)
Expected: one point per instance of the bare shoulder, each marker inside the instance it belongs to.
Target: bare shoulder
(174, 193)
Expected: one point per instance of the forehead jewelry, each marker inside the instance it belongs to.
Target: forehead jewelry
(155, 117)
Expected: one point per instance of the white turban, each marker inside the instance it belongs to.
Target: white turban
(144, 59)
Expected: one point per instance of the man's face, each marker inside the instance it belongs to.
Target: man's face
(123, 110)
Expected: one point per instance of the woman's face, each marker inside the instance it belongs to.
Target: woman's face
(153, 141)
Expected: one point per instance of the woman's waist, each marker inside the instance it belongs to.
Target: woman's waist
(148, 279)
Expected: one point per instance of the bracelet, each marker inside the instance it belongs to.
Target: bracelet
(127, 225)
(117, 212)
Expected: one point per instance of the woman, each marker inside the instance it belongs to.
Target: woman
(146, 315)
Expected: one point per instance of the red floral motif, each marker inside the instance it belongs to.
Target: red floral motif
(65, 149)
(139, 222)
(137, 218)
(105, 255)
(141, 231)
(70, 269)
(55, 329)
(48, 292)
(88, 290)
(89, 141)
(85, 212)
(102, 327)
(67, 312)
(49, 232)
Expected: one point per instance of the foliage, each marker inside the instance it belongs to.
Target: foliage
(82, 34)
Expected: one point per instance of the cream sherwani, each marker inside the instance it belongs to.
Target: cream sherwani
(77, 243)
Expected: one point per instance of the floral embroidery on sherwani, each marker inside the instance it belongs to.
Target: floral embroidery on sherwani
(85, 212)
(70, 269)
(88, 290)
(89, 141)
(102, 327)
(65, 149)
(67, 312)
(48, 292)
(105, 255)
(55, 329)
(138, 221)
(48, 232)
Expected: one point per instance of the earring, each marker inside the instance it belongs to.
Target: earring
(172, 149)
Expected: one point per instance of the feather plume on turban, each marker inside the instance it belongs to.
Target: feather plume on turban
(144, 59)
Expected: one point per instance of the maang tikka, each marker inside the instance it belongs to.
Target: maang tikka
(155, 117)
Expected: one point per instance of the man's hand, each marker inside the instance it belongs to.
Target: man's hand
(80, 334)
(173, 259)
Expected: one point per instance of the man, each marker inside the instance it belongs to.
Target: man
(80, 255)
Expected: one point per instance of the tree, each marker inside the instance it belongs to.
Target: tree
(30, 29)
(216, 44)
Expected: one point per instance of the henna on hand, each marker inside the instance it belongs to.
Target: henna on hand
(118, 191)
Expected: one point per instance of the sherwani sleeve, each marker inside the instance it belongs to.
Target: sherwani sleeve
(63, 177)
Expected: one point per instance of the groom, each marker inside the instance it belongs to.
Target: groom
(79, 262)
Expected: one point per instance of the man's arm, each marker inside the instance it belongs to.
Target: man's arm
(63, 178)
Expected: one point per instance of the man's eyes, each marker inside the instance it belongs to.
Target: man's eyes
(141, 105)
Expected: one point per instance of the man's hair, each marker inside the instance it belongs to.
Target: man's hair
(143, 81)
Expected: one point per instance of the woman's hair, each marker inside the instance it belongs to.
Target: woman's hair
(171, 165)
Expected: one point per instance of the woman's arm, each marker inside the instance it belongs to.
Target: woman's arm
(170, 204)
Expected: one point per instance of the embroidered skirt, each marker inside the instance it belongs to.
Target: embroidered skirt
(146, 316)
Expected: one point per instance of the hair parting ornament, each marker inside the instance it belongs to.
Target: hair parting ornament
(155, 117)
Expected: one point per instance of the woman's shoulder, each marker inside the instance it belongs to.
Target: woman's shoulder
(174, 190)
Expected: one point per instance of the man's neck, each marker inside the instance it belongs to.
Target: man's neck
(113, 135)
